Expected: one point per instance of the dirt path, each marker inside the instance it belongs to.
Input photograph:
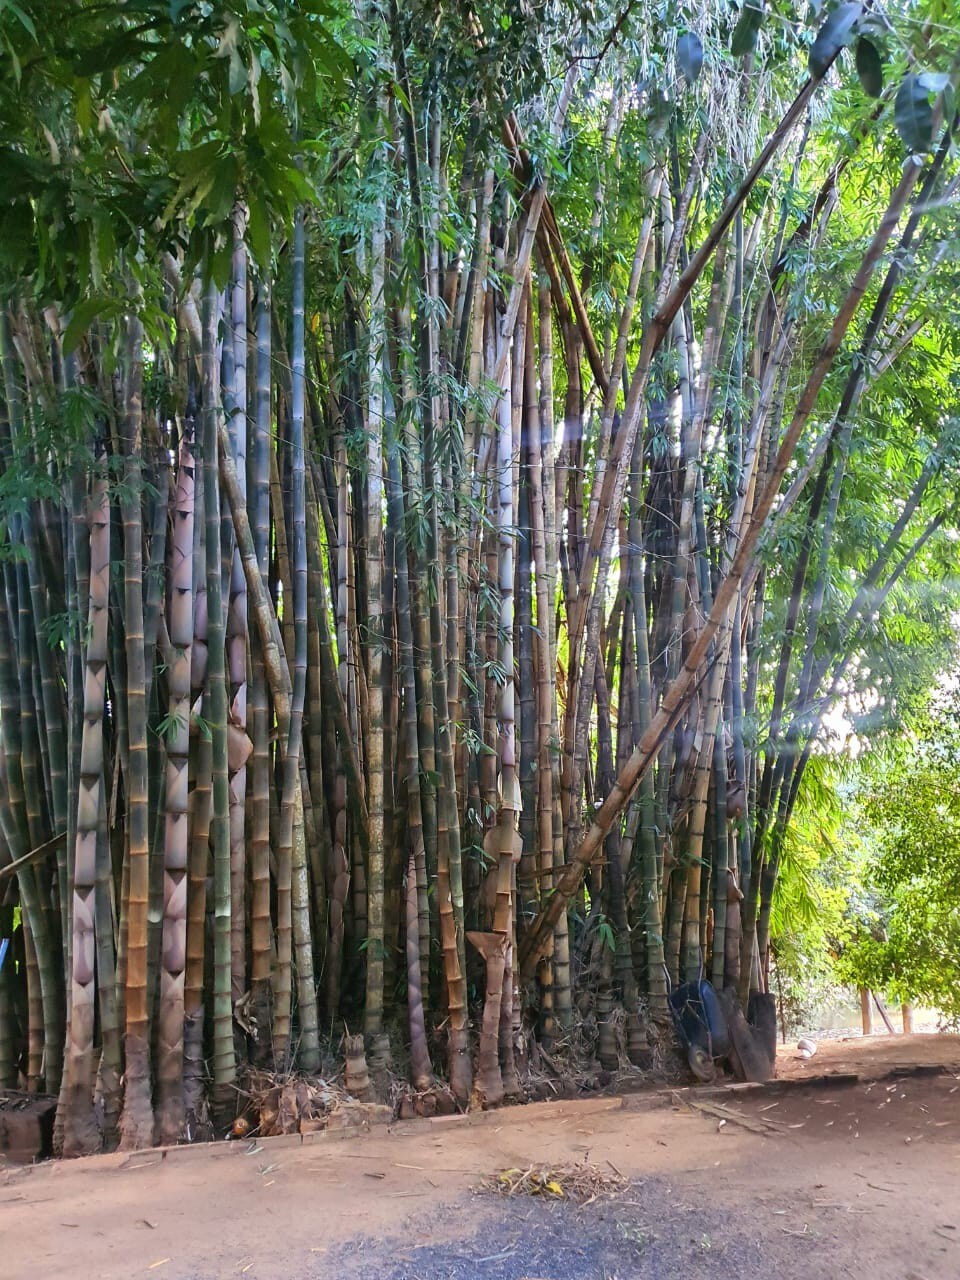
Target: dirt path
(830, 1180)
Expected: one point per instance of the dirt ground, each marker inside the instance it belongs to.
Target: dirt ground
(854, 1175)
(868, 1055)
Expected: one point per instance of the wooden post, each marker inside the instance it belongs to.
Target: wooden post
(866, 1011)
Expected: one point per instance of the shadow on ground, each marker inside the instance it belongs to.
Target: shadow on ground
(647, 1231)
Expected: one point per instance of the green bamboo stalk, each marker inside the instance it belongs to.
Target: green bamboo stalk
(136, 1121)
(81, 1133)
(291, 805)
(224, 1060)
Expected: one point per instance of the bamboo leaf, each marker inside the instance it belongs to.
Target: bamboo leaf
(228, 48)
(83, 316)
(23, 18)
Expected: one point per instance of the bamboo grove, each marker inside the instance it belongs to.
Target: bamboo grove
(454, 466)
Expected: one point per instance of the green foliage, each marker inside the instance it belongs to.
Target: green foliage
(124, 134)
(869, 888)
(809, 916)
(906, 937)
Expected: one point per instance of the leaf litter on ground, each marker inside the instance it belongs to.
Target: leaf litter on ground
(581, 1183)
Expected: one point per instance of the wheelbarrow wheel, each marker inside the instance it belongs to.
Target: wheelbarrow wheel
(701, 1063)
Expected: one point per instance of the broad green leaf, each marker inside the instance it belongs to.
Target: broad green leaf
(869, 67)
(229, 48)
(690, 56)
(299, 184)
(219, 199)
(83, 316)
(83, 106)
(747, 31)
(835, 34)
(122, 49)
(258, 233)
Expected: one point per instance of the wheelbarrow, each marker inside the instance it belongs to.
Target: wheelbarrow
(700, 1024)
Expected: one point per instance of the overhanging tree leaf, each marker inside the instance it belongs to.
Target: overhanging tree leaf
(869, 67)
(835, 34)
(690, 56)
(913, 112)
(747, 31)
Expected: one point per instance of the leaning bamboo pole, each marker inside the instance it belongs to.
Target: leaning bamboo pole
(224, 1060)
